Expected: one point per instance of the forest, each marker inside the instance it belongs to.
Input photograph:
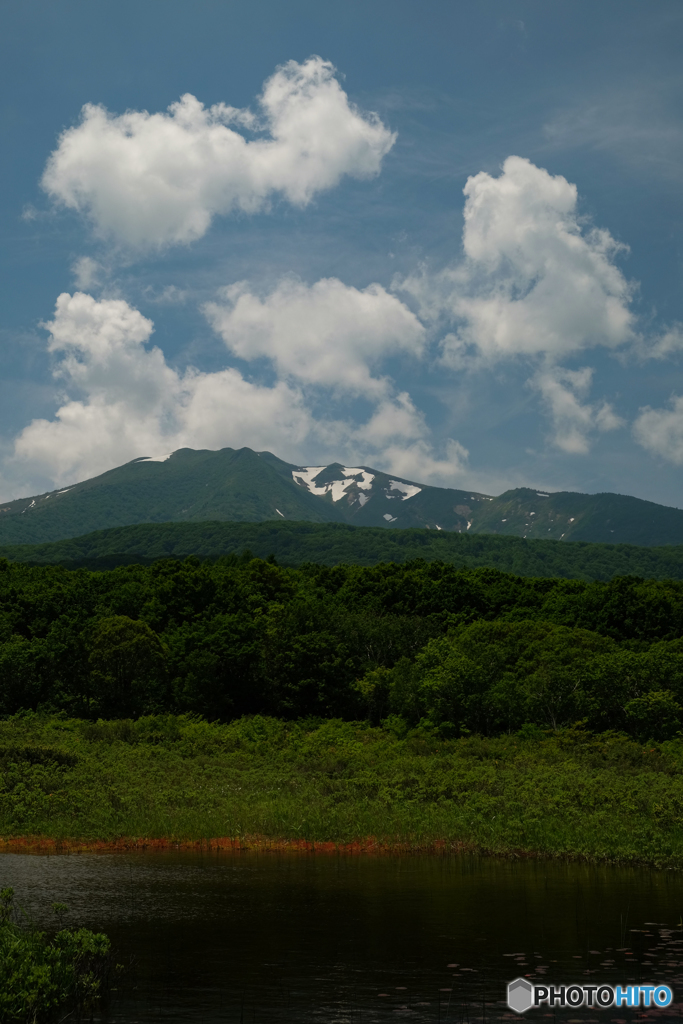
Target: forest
(416, 645)
(296, 543)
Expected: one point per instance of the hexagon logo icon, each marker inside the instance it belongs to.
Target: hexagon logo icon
(520, 995)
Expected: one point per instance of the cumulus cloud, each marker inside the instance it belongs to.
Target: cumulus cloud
(150, 180)
(417, 461)
(574, 420)
(534, 284)
(533, 281)
(326, 334)
(394, 419)
(660, 431)
(120, 399)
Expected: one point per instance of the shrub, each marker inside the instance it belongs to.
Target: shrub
(40, 976)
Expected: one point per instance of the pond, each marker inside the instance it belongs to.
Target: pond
(270, 937)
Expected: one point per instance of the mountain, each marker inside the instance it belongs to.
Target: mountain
(335, 543)
(246, 486)
(568, 515)
(234, 485)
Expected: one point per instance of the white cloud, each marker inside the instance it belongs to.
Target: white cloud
(396, 439)
(564, 393)
(416, 461)
(150, 180)
(87, 273)
(119, 399)
(533, 282)
(130, 402)
(660, 431)
(394, 419)
(326, 334)
(665, 345)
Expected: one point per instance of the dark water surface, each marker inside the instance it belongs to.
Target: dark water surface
(267, 937)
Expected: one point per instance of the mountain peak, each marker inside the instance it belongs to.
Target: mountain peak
(242, 485)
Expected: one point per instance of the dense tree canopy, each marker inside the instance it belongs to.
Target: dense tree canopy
(457, 650)
(296, 543)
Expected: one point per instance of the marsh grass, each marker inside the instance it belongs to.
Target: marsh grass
(564, 794)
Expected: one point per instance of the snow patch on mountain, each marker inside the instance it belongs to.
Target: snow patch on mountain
(407, 490)
(306, 476)
(365, 482)
(337, 488)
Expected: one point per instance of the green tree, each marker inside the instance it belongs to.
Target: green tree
(655, 715)
(21, 676)
(127, 668)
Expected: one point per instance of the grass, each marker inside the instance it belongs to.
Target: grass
(567, 794)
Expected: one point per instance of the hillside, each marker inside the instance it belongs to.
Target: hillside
(234, 486)
(250, 487)
(187, 485)
(335, 543)
(567, 515)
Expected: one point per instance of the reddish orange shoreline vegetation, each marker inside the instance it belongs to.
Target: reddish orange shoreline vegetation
(131, 844)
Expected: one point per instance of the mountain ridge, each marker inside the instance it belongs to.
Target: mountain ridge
(240, 485)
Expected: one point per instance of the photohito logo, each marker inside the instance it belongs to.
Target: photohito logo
(523, 996)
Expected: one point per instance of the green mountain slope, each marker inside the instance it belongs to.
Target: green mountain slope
(604, 518)
(187, 486)
(232, 485)
(245, 486)
(335, 543)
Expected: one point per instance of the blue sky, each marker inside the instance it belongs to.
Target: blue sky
(441, 239)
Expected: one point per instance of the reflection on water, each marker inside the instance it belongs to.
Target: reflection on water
(265, 937)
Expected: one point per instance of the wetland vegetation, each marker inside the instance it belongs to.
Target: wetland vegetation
(415, 703)
(558, 794)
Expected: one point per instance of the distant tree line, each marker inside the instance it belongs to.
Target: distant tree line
(295, 543)
(417, 644)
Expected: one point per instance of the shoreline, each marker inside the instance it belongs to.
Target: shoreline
(228, 844)
(44, 845)
(337, 788)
